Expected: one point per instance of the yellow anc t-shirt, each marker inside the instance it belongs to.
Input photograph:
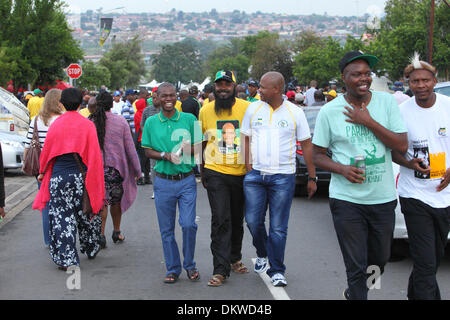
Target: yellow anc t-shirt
(224, 152)
(178, 106)
(34, 106)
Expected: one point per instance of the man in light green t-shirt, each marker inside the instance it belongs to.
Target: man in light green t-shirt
(360, 123)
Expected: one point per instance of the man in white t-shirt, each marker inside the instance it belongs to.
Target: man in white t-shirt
(309, 94)
(271, 128)
(424, 178)
(117, 103)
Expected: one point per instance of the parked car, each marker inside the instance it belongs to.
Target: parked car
(443, 88)
(301, 174)
(12, 149)
(400, 242)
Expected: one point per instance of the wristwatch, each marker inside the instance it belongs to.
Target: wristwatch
(312, 179)
(162, 155)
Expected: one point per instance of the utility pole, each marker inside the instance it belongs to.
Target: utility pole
(430, 38)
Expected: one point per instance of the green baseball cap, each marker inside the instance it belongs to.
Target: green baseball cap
(225, 75)
(355, 55)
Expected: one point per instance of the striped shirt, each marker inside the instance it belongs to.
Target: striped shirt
(128, 114)
(42, 131)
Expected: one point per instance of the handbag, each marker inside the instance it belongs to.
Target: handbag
(31, 160)
(85, 202)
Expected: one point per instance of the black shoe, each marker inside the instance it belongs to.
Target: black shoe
(102, 241)
(115, 236)
(346, 294)
(140, 181)
(147, 180)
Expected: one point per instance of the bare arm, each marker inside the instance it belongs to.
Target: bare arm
(307, 148)
(321, 160)
(247, 153)
(153, 154)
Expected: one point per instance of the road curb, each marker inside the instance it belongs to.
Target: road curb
(18, 208)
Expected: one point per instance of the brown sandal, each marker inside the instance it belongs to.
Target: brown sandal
(216, 281)
(193, 275)
(239, 267)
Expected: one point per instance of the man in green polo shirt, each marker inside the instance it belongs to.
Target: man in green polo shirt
(171, 138)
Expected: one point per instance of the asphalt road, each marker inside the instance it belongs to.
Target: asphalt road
(135, 268)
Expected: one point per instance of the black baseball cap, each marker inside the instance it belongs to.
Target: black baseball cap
(355, 55)
(253, 83)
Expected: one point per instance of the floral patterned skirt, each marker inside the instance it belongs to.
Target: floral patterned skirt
(66, 217)
(113, 186)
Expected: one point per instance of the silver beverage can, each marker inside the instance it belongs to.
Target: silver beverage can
(360, 163)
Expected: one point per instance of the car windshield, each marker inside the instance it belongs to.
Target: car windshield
(443, 90)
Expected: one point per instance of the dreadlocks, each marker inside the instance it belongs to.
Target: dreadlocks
(104, 103)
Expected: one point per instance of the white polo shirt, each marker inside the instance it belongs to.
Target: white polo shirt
(274, 135)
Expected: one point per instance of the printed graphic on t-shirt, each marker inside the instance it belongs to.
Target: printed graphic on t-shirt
(374, 152)
(228, 136)
(435, 161)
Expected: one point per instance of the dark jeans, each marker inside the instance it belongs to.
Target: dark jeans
(226, 198)
(145, 162)
(428, 229)
(365, 234)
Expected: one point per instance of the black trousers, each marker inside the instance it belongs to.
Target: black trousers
(145, 162)
(428, 229)
(365, 234)
(226, 198)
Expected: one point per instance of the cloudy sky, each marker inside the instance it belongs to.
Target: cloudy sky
(339, 8)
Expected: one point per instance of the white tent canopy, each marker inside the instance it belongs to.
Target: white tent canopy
(151, 84)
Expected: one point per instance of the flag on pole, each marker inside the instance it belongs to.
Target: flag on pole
(105, 29)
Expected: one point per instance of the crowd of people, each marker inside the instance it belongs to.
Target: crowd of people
(239, 141)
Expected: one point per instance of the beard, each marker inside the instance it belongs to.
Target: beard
(224, 104)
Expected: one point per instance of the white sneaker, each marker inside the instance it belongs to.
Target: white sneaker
(261, 265)
(278, 280)
(153, 195)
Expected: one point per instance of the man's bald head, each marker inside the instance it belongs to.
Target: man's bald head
(272, 88)
(275, 79)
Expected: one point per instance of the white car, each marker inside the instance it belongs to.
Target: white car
(12, 149)
(400, 231)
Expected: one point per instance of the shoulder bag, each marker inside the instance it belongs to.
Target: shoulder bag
(31, 160)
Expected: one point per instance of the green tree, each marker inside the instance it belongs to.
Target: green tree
(125, 63)
(319, 63)
(229, 57)
(305, 39)
(37, 35)
(272, 55)
(94, 76)
(405, 29)
(177, 62)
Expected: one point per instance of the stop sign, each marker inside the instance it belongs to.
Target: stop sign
(74, 71)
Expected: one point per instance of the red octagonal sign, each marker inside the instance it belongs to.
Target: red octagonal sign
(74, 71)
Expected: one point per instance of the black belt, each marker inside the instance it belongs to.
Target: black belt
(176, 177)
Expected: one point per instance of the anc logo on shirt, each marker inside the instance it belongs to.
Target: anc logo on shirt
(442, 132)
(283, 124)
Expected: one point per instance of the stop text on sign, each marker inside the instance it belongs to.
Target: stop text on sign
(74, 71)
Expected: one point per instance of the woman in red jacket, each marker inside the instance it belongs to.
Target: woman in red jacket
(71, 137)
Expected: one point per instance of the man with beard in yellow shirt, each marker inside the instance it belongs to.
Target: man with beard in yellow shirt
(222, 171)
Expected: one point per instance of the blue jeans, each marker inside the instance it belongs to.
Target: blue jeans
(277, 192)
(167, 194)
(45, 222)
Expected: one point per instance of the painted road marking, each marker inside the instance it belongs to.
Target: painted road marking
(278, 293)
